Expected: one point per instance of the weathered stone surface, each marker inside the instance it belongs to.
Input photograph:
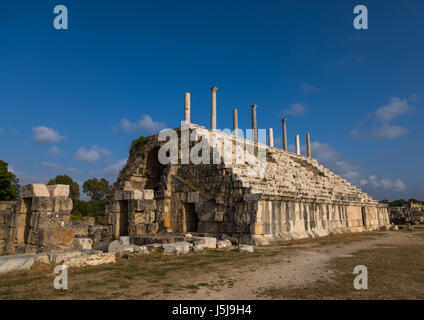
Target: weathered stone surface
(115, 246)
(34, 190)
(286, 196)
(223, 244)
(245, 248)
(125, 240)
(15, 263)
(176, 248)
(58, 191)
(206, 242)
(83, 243)
(148, 194)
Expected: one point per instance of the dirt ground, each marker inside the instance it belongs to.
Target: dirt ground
(303, 269)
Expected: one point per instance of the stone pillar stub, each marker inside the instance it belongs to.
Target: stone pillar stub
(284, 134)
(213, 107)
(271, 137)
(254, 124)
(297, 145)
(187, 107)
(235, 121)
(308, 144)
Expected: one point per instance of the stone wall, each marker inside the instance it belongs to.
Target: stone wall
(6, 210)
(40, 221)
(288, 196)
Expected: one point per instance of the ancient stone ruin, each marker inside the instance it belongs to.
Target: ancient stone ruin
(38, 222)
(293, 196)
(243, 192)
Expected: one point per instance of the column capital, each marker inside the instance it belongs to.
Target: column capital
(214, 88)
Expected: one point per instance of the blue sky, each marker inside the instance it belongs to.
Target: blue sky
(73, 100)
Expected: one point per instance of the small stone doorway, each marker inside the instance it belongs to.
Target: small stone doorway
(191, 221)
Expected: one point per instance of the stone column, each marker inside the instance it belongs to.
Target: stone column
(297, 145)
(254, 125)
(284, 135)
(187, 107)
(213, 108)
(308, 144)
(271, 137)
(235, 122)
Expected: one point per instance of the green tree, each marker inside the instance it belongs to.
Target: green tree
(74, 190)
(9, 186)
(96, 189)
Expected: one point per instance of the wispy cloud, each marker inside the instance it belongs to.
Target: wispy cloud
(46, 135)
(50, 165)
(91, 155)
(295, 109)
(112, 170)
(379, 125)
(335, 161)
(146, 124)
(308, 88)
(54, 151)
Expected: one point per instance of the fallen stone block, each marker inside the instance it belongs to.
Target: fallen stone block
(91, 259)
(207, 242)
(115, 246)
(59, 190)
(125, 240)
(42, 258)
(224, 244)
(34, 190)
(176, 248)
(245, 248)
(395, 228)
(83, 243)
(198, 247)
(148, 194)
(16, 263)
(63, 257)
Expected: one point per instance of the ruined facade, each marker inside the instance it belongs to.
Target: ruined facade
(293, 197)
(38, 222)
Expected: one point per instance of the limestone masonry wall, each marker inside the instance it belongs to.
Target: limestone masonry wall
(38, 222)
(289, 197)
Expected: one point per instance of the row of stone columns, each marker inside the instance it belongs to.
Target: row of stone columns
(254, 123)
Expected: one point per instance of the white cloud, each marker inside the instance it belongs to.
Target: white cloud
(46, 135)
(396, 107)
(295, 109)
(50, 165)
(308, 88)
(334, 160)
(113, 170)
(54, 151)
(91, 155)
(380, 127)
(146, 123)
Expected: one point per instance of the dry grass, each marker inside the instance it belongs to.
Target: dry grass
(396, 273)
(393, 273)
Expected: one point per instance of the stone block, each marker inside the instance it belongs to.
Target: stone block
(115, 246)
(223, 244)
(148, 194)
(176, 248)
(245, 248)
(15, 263)
(58, 190)
(193, 197)
(83, 244)
(42, 204)
(125, 240)
(34, 190)
(207, 242)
